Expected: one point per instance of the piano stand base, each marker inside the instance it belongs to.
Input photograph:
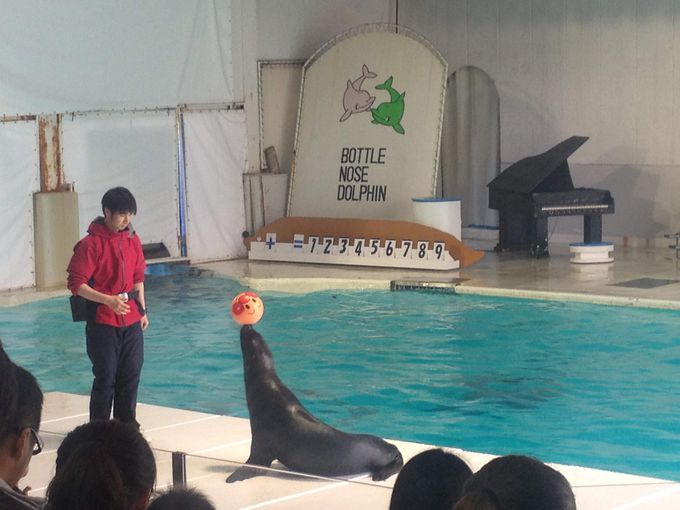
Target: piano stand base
(520, 233)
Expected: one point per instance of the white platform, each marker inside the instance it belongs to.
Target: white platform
(591, 253)
(219, 443)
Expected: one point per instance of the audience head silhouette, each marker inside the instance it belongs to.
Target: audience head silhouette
(21, 403)
(8, 393)
(181, 499)
(516, 482)
(432, 480)
(107, 465)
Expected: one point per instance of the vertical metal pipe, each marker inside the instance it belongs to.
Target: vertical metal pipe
(179, 469)
(181, 181)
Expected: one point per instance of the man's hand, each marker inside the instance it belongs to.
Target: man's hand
(118, 305)
(145, 322)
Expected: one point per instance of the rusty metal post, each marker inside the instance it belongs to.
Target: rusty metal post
(49, 152)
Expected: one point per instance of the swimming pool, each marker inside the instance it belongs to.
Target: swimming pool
(567, 382)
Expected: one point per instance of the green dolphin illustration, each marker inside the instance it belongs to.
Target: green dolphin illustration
(390, 113)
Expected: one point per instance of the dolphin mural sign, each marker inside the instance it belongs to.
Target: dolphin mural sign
(356, 100)
(363, 93)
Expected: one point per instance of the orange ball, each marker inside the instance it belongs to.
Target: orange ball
(247, 308)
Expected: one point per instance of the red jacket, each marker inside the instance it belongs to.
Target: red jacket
(115, 261)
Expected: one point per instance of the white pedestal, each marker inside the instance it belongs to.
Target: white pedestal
(55, 227)
(439, 213)
(591, 253)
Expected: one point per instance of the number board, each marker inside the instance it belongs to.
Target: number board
(320, 249)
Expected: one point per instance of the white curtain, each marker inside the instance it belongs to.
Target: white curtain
(76, 55)
(20, 179)
(215, 149)
(470, 148)
(134, 150)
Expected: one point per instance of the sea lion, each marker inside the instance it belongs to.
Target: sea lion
(283, 429)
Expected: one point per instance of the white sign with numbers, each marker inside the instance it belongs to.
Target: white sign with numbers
(407, 253)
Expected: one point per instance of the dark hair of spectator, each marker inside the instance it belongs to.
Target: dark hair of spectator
(479, 500)
(432, 480)
(21, 398)
(8, 395)
(28, 410)
(119, 200)
(107, 465)
(517, 482)
(181, 499)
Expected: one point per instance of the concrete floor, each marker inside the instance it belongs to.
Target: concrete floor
(217, 444)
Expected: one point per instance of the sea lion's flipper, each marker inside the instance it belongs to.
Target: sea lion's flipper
(249, 471)
(243, 473)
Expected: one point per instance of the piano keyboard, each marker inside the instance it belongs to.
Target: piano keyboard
(575, 207)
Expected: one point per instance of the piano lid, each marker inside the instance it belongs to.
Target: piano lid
(544, 172)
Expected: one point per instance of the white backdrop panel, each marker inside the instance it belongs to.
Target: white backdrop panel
(279, 96)
(83, 55)
(215, 149)
(19, 175)
(137, 151)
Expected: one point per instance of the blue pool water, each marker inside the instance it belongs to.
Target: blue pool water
(566, 382)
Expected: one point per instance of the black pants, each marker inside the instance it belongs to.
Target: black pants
(117, 355)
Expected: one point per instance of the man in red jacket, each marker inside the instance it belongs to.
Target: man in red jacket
(107, 269)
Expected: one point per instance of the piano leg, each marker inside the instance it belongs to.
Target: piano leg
(515, 231)
(539, 238)
(592, 228)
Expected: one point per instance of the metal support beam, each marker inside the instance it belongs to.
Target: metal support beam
(179, 469)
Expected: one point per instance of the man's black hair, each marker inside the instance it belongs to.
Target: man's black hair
(119, 200)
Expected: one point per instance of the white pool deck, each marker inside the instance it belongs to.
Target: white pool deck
(217, 444)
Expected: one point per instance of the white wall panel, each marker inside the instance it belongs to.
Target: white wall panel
(674, 56)
(547, 39)
(654, 42)
(443, 23)
(279, 97)
(482, 43)
(518, 107)
(134, 150)
(297, 28)
(20, 179)
(616, 138)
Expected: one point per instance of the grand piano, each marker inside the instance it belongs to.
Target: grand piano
(531, 190)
